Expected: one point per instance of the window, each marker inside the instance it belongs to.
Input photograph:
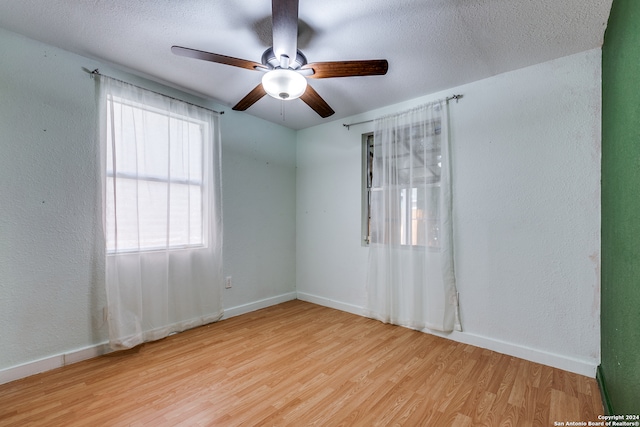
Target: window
(412, 201)
(155, 169)
(367, 179)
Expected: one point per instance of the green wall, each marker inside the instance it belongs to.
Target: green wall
(620, 370)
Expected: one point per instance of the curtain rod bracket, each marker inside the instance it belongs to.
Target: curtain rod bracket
(348, 125)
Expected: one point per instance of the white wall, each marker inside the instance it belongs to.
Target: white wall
(526, 160)
(51, 257)
(258, 188)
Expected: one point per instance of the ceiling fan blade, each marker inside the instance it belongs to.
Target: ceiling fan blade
(252, 97)
(284, 21)
(324, 70)
(214, 57)
(315, 101)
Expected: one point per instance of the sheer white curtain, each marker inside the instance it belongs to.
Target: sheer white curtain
(411, 279)
(161, 213)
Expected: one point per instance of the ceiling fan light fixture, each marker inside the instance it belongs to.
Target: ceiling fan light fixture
(284, 84)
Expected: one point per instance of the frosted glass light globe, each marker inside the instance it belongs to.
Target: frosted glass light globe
(284, 84)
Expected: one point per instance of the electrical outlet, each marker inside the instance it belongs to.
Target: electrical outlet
(227, 282)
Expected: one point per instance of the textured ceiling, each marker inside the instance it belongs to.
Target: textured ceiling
(431, 45)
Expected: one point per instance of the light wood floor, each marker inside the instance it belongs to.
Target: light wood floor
(301, 364)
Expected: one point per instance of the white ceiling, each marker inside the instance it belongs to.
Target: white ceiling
(431, 45)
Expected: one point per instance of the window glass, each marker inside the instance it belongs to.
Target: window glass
(411, 198)
(154, 164)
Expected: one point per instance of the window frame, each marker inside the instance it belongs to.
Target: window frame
(367, 180)
(112, 246)
(403, 234)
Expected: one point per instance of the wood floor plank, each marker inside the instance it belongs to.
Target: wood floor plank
(300, 364)
(563, 406)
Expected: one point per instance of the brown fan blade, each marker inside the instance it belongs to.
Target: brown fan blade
(315, 101)
(324, 70)
(252, 97)
(214, 57)
(284, 20)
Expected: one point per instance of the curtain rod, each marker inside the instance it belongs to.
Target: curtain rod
(447, 99)
(96, 72)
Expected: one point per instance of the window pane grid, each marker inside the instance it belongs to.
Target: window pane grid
(154, 179)
(410, 176)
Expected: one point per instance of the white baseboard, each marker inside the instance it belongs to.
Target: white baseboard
(257, 305)
(326, 302)
(566, 363)
(48, 363)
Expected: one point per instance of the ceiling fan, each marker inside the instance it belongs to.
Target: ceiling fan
(285, 68)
